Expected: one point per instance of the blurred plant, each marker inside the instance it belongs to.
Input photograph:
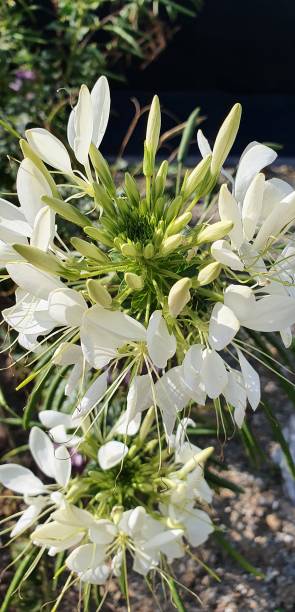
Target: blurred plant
(49, 46)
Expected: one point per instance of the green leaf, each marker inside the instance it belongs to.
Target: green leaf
(175, 595)
(235, 555)
(187, 135)
(20, 572)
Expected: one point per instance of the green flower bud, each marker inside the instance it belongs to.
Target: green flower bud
(215, 231)
(153, 127)
(99, 235)
(179, 296)
(87, 249)
(131, 189)
(173, 209)
(44, 261)
(129, 250)
(225, 138)
(102, 169)
(148, 251)
(103, 199)
(178, 224)
(67, 211)
(194, 180)
(160, 181)
(134, 281)
(170, 244)
(209, 273)
(98, 293)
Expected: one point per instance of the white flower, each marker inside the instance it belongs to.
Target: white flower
(87, 123)
(268, 314)
(53, 462)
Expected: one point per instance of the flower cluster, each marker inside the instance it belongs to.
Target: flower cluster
(149, 306)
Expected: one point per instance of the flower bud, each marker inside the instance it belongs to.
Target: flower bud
(134, 281)
(209, 273)
(131, 189)
(178, 224)
(196, 177)
(87, 249)
(67, 211)
(129, 250)
(215, 231)
(41, 260)
(148, 251)
(198, 459)
(170, 244)
(225, 138)
(153, 127)
(173, 209)
(99, 235)
(98, 293)
(160, 181)
(179, 296)
(102, 169)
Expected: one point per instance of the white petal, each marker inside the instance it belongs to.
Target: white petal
(62, 465)
(31, 186)
(83, 119)
(223, 326)
(87, 556)
(198, 527)
(191, 367)
(213, 373)
(49, 148)
(101, 101)
(71, 129)
(13, 223)
(203, 144)
(235, 394)
(70, 515)
(276, 223)
(139, 396)
(104, 331)
(275, 190)
(20, 479)
(240, 299)
(126, 426)
(286, 335)
(222, 252)
(28, 518)
(172, 395)
(102, 532)
(44, 229)
(252, 162)
(42, 451)
(66, 307)
(29, 316)
(229, 211)
(34, 281)
(53, 418)
(252, 205)
(93, 396)
(67, 354)
(161, 345)
(271, 313)
(111, 453)
(56, 534)
(251, 381)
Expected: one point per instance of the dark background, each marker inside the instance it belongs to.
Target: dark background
(235, 50)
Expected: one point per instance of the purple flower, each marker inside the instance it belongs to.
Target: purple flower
(26, 75)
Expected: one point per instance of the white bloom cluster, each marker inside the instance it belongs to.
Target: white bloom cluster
(144, 307)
